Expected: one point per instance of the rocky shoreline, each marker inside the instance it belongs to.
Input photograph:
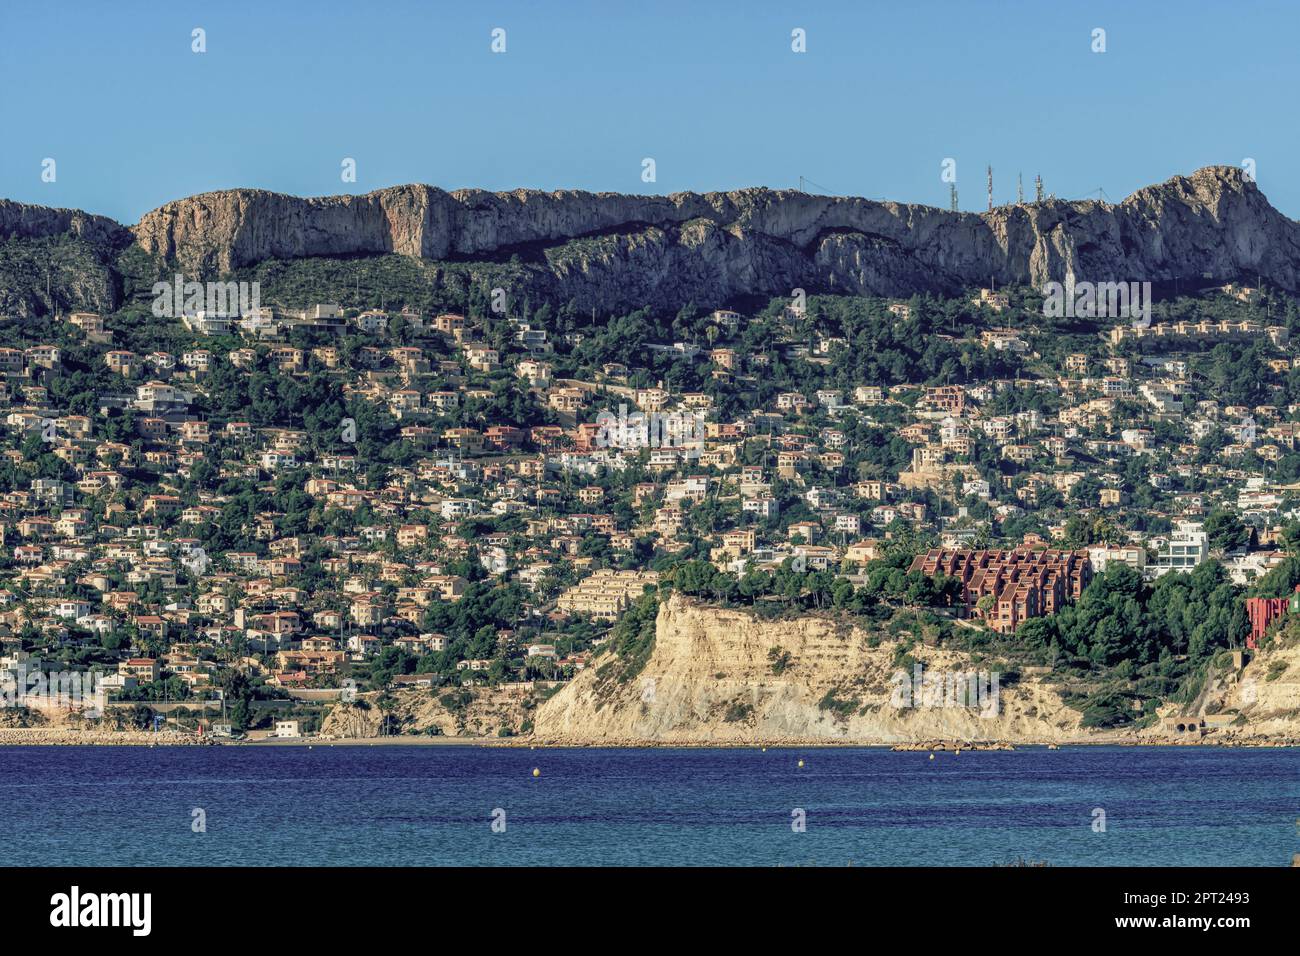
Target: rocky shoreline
(47, 737)
(930, 746)
(957, 746)
(62, 737)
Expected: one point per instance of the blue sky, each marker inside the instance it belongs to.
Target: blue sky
(710, 90)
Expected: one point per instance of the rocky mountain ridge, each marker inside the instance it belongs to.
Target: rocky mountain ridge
(24, 221)
(612, 251)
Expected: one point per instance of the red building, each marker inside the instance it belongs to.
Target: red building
(1020, 583)
(1263, 612)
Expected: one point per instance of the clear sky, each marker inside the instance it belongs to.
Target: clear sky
(712, 91)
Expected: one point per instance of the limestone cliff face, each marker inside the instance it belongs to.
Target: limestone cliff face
(483, 713)
(53, 259)
(1264, 696)
(23, 221)
(614, 252)
(611, 249)
(710, 680)
(216, 232)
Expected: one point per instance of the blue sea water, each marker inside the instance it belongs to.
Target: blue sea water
(431, 805)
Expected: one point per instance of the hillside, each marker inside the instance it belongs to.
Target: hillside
(1264, 696)
(719, 676)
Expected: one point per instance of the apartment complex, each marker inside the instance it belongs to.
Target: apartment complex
(1020, 583)
(605, 594)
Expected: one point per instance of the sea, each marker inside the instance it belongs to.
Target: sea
(412, 805)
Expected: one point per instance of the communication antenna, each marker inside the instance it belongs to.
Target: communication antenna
(952, 200)
(1020, 189)
(804, 182)
(1038, 188)
(990, 172)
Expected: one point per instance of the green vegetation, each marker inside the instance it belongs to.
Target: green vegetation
(841, 707)
(632, 640)
(738, 711)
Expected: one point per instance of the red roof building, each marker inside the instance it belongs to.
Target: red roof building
(1021, 582)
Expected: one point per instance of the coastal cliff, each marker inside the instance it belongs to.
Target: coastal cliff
(714, 677)
(1262, 699)
(723, 677)
(479, 713)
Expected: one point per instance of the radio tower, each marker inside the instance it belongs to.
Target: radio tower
(1020, 189)
(1038, 188)
(952, 199)
(990, 188)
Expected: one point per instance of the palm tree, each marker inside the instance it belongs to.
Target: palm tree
(386, 706)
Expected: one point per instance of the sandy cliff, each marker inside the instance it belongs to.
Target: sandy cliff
(710, 678)
(476, 712)
(1262, 699)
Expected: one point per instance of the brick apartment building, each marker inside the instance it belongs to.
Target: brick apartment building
(1023, 582)
(946, 398)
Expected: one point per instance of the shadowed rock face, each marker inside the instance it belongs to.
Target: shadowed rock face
(57, 258)
(611, 250)
(21, 221)
(756, 240)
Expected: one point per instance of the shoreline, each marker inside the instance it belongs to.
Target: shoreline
(41, 737)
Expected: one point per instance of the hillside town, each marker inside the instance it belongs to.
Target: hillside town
(235, 519)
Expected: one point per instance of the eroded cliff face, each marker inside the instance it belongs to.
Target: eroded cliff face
(24, 221)
(711, 679)
(613, 250)
(1262, 699)
(52, 259)
(481, 712)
